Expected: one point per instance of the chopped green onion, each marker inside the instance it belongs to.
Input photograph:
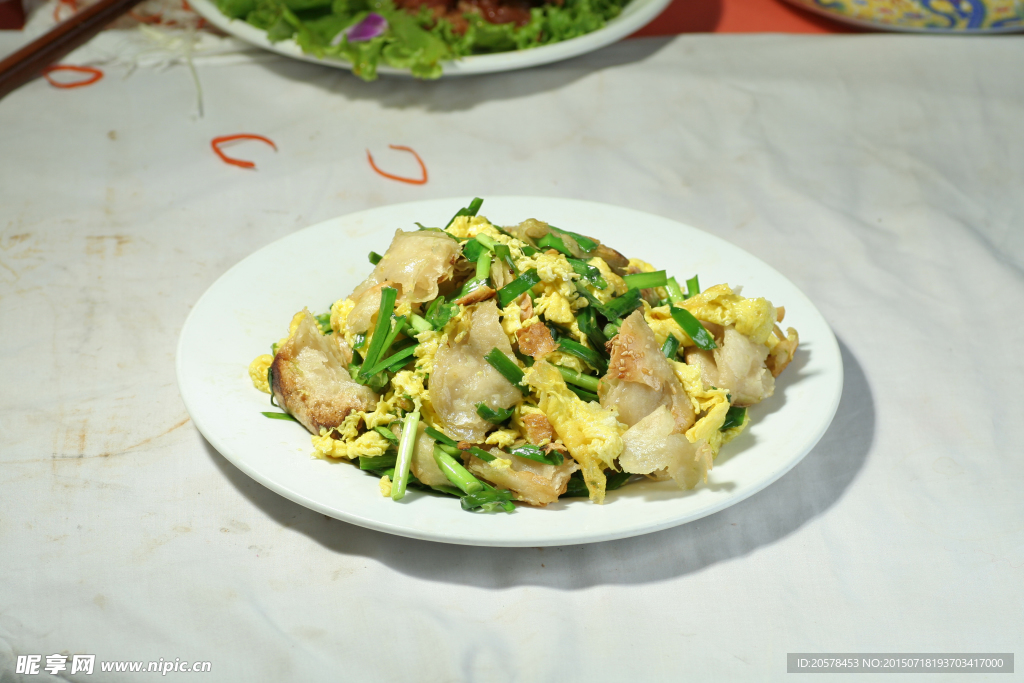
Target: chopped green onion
(456, 473)
(486, 241)
(587, 382)
(419, 324)
(675, 294)
(588, 272)
(470, 286)
(488, 501)
(405, 448)
(531, 452)
(586, 244)
(375, 258)
(324, 322)
(483, 266)
(472, 249)
(622, 306)
(379, 462)
(439, 312)
(734, 418)
(509, 370)
(528, 250)
(456, 452)
(278, 416)
(646, 280)
(692, 287)
(587, 355)
(505, 254)
(671, 347)
(399, 359)
(270, 384)
(381, 329)
(611, 329)
(616, 480)
(587, 322)
(692, 327)
(440, 436)
(493, 416)
(397, 327)
(387, 434)
(514, 289)
(553, 241)
(576, 487)
(360, 341)
(448, 491)
(583, 393)
(470, 210)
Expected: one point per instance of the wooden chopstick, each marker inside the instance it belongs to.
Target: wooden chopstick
(29, 62)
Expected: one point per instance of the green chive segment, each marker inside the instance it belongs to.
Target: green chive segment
(646, 280)
(514, 289)
(508, 369)
(692, 327)
(278, 416)
(456, 473)
(493, 416)
(734, 418)
(381, 330)
(470, 210)
(405, 448)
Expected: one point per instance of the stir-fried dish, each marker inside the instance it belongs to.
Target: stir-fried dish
(524, 363)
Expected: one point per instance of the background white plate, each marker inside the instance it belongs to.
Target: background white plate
(250, 307)
(635, 16)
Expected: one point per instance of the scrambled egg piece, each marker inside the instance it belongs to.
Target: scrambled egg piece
(616, 285)
(258, 372)
(662, 324)
(713, 403)
(467, 227)
(503, 438)
(754, 318)
(409, 385)
(429, 342)
(385, 486)
(592, 434)
(368, 443)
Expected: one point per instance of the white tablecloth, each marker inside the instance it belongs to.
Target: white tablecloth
(882, 174)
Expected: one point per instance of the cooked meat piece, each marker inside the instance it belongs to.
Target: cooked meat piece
(538, 430)
(360, 318)
(782, 354)
(738, 366)
(640, 378)
(462, 378)
(416, 262)
(311, 381)
(481, 293)
(532, 482)
(651, 446)
(536, 340)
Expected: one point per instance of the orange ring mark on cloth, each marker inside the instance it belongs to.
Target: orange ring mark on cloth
(218, 141)
(411, 181)
(94, 75)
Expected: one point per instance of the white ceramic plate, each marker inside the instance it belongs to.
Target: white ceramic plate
(635, 16)
(251, 305)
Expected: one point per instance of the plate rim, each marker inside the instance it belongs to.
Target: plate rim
(634, 16)
(810, 6)
(830, 346)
